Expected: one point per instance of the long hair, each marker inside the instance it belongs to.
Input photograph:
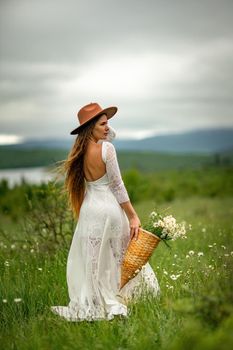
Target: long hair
(72, 167)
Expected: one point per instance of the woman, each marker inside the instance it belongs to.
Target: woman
(106, 223)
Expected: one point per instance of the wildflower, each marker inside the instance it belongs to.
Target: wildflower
(191, 252)
(4, 300)
(169, 220)
(203, 229)
(226, 254)
(40, 269)
(174, 277)
(13, 246)
(25, 246)
(223, 246)
(161, 223)
(187, 256)
(32, 250)
(232, 253)
(200, 253)
(210, 246)
(6, 263)
(165, 272)
(175, 256)
(17, 300)
(166, 227)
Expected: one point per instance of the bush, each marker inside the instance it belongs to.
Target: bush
(48, 224)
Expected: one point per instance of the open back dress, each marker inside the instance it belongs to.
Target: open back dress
(97, 249)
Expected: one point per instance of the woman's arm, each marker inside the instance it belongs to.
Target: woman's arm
(133, 218)
(118, 188)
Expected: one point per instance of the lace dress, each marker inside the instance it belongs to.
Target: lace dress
(97, 249)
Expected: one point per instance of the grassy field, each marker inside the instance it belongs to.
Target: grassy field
(194, 310)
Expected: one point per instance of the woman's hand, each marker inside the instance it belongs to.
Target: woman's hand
(134, 225)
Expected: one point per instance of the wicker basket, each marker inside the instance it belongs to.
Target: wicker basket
(137, 254)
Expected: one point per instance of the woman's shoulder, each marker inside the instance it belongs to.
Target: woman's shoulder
(108, 150)
(91, 148)
(108, 145)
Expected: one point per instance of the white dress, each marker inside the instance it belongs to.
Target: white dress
(98, 245)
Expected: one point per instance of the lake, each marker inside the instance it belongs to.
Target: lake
(34, 175)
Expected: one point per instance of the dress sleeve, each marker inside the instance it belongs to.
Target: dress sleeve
(113, 171)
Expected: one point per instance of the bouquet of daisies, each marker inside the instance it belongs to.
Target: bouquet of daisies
(138, 252)
(165, 227)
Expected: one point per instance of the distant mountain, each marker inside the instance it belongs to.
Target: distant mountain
(197, 141)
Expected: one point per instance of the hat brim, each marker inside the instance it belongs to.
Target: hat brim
(109, 111)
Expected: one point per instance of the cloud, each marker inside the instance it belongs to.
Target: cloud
(165, 67)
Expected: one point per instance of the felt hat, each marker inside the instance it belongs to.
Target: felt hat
(90, 111)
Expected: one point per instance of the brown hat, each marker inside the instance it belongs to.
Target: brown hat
(90, 111)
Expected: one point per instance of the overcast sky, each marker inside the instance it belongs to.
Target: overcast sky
(166, 65)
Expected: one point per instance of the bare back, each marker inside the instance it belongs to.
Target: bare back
(94, 166)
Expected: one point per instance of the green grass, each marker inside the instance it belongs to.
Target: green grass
(164, 186)
(194, 311)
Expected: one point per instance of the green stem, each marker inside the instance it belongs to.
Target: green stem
(166, 243)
